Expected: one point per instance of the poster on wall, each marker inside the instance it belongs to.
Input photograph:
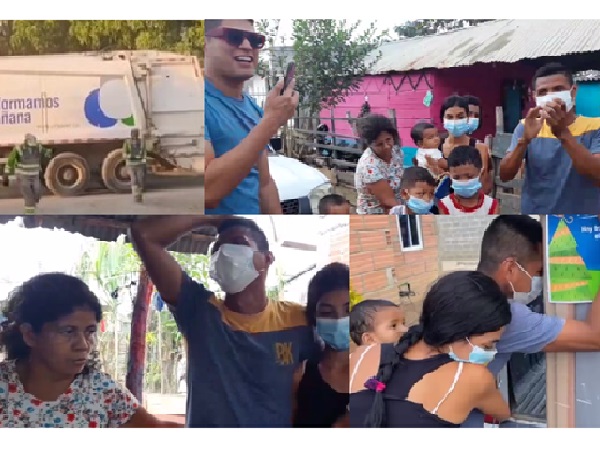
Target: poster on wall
(573, 258)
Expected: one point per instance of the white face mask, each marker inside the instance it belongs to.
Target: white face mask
(232, 266)
(526, 298)
(565, 96)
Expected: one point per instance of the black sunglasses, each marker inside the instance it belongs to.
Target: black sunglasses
(235, 37)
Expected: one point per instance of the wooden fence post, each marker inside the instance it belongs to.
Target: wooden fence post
(332, 113)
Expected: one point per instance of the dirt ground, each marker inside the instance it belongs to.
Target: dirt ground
(169, 407)
(165, 195)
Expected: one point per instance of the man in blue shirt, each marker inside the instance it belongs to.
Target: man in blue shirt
(512, 254)
(561, 150)
(243, 350)
(237, 178)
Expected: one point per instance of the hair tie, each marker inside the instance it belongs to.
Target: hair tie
(374, 384)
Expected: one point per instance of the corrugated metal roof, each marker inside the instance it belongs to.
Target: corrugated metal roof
(496, 41)
(109, 228)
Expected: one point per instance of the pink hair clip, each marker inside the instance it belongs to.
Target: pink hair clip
(374, 384)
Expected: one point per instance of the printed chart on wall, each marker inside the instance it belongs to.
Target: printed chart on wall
(573, 258)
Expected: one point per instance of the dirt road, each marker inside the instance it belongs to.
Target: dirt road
(180, 196)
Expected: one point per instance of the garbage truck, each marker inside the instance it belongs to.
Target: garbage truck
(84, 105)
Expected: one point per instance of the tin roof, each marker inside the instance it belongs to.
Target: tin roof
(496, 41)
(109, 228)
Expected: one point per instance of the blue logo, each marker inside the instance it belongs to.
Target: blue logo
(100, 118)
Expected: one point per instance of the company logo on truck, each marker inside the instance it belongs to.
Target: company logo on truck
(17, 111)
(109, 105)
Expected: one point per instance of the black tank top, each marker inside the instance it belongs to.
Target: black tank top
(319, 406)
(399, 412)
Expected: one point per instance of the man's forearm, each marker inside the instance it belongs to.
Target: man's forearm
(593, 316)
(164, 230)
(511, 163)
(224, 174)
(585, 163)
(269, 199)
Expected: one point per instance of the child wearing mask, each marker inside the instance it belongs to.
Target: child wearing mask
(376, 322)
(465, 167)
(418, 190)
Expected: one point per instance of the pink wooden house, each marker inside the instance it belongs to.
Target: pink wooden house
(494, 61)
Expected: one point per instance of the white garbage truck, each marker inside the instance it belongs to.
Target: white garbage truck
(83, 107)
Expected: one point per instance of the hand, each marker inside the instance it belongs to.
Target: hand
(281, 108)
(432, 164)
(208, 221)
(555, 114)
(533, 123)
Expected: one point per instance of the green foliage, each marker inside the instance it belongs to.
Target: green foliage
(112, 267)
(330, 58)
(40, 37)
(270, 28)
(196, 266)
(426, 27)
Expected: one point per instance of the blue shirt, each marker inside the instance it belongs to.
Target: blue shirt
(552, 185)
(527, 332)
(228, 121)
(240, 367)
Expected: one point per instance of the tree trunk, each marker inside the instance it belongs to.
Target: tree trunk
(137, 343)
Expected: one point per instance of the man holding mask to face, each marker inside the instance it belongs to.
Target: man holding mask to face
(561, 150)
(243, 350)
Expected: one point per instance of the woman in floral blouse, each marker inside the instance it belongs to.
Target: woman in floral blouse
(379, 170)
(50, 378)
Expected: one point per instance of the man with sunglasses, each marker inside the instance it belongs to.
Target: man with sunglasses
(237, 178)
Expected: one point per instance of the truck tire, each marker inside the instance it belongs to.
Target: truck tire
(67, 175)
(115, 175)
(114, 172)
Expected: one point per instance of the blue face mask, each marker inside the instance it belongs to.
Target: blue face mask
(466, 188)
(457, 127)
(335, 333)
(419, 206)
(473, 124)
(477, 355)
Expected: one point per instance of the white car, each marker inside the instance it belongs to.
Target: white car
(300, 187)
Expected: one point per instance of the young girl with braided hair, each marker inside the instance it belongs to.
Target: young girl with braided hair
(436, 374)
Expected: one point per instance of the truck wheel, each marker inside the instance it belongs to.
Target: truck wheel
(114, 172)
(67, 175)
